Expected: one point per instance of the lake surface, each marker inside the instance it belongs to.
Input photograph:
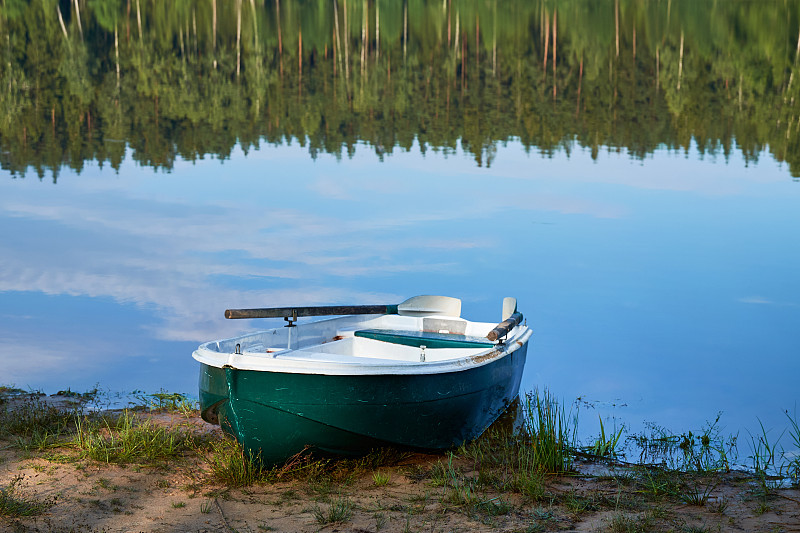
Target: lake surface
(627, 170)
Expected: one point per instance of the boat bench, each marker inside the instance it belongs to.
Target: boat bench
(428, 339)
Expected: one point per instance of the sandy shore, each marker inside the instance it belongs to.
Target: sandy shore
(78, 494)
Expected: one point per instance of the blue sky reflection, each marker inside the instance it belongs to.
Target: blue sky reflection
(666, 284)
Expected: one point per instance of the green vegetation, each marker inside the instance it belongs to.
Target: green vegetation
(381, 479)
(606, 446)
(102, 81)
(549, 436)
(520, 468)
(126, 438)
(232, 466)
(339, 510)
(13, 504)
(708, 451)
(172, 402)
(792, 465)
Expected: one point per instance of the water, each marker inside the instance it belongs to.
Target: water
(655, 259)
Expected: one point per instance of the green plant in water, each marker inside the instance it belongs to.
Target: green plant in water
(763, 458)
(550, 432)
(172, 402)
(606, 447)
(708, 451)
(792, 468)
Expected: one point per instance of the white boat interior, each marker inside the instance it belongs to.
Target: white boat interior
(359, 344)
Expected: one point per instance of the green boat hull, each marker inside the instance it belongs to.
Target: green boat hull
(275, 415)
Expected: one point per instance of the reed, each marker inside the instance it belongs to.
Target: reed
(763, 452)
(792, 466)
(606, 446)
(549, 434)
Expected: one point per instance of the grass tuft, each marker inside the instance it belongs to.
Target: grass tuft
(550, 433)
(381, 479)
(33, 423)
(234, 467)
(606, 446)
(14, 505)
(338, 511)
(128, 439)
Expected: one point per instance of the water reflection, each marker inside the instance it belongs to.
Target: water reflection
(626, 174)
(180, 81)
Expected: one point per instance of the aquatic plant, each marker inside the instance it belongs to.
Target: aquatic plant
(550, 434)
(606, 446)
(763, 452)
(792, 467)
(703, 452)
(171, 402)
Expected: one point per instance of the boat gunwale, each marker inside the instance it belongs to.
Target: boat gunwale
(252, 362)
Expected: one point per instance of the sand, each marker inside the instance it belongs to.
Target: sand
(78, 494)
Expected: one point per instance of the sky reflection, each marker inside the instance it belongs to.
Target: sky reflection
(666, 285)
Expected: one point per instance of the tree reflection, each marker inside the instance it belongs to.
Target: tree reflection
(84, 80)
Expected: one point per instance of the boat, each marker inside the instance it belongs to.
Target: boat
(414, 375)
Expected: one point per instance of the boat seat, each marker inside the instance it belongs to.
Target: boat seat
(428, 339)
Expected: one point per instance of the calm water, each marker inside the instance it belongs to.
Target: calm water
(639, 199)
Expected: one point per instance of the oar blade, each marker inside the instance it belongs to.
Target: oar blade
(425, 305)
(509, 307)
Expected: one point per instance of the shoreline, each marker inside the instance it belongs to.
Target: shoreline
(201, 487)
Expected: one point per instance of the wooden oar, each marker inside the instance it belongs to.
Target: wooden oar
(416, 306)
(505, 326)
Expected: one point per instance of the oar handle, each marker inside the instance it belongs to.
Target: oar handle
(505, 326)
(290, 312)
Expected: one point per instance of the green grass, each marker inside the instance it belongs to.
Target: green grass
(697, 491)
(626, 523)
(127, 438)
(33, 423)
(702, 452)
(792, 465)
(549, 434)
(15, 505)
(337, 511)
(163, 401)
(606, 446)
(381, 479)
(231, 465)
